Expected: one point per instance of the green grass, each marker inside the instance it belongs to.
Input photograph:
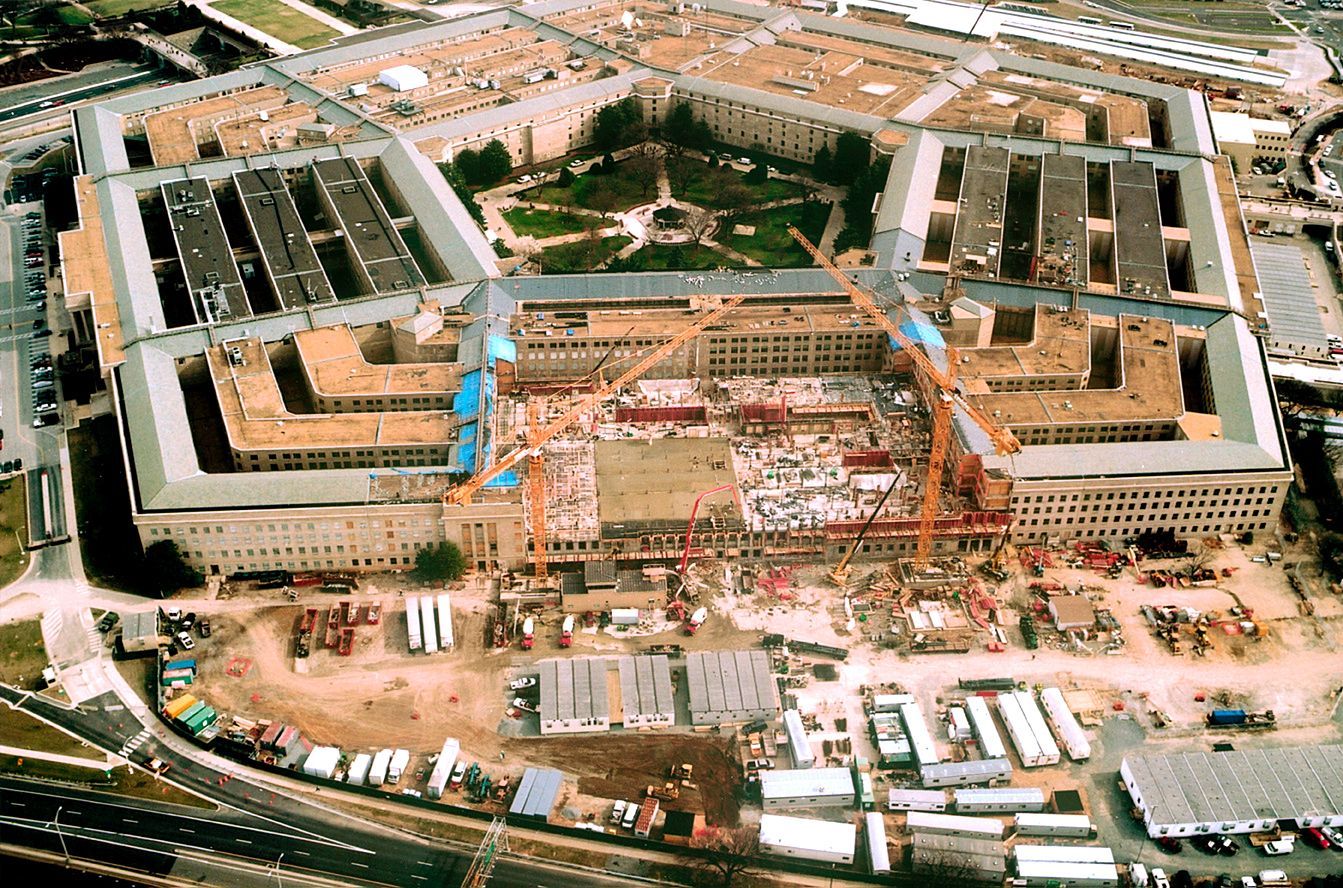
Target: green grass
(583, 255)
(772, 245)
(25, 732)
(280, 21)
(116, 8)
(547, 223)
(627, 191)
(22, 653)
(681, 258)
(72, 16)
(723, 188)
(13, 529)
(123, 782)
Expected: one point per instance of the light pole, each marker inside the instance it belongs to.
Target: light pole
(56, 822)
(276, 871)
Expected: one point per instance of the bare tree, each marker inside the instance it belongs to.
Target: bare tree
(698, 221)
(644, 165)
(731, 853)
(735, 198)
(603, 198)
(681, 172)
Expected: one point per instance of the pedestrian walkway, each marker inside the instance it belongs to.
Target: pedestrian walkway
(101, 764)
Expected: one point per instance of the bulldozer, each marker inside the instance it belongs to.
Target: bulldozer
(669, 791)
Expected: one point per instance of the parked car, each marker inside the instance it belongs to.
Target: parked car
(173, 614)
(189, 620)
(203, 627)
(762, 764)
(186, 641)
(1281, 846)
(108, 620)
(1206, 844)
(519, 684)
(1314, 838)
(524, 179)
(1335, 837)
(577, 162)
(1227, 846)
(1159, 879)
(158, 766)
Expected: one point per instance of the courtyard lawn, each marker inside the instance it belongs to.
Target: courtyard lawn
(772, 245)
(13, 529)
(280, 21)
(687, 257)
(580, 256)
(115, 8)
(626, 190)
(547, 223)
(714, 187)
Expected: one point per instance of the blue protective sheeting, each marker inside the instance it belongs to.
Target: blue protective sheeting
(468, 433)
(502, 348)
(467, 401)
(925, 333)
(466, 457)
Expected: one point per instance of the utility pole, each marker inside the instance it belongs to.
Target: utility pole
(56, 821)
(276, 871)
(494, 844)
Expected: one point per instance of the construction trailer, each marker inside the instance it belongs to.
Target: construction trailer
(934, 800)
(357, 773)
(537, 794)
(413, 622)
(1065, 723)
(442, 773)
(980, 860)
(1062, 854)
(986, 732)
(1019, 730)
(954, 825)
(445, 637)
(916, 729)
(809, 788)
(982, 772)
(1072, 826)
(1049, 750)
(730, 687)
(430, 632)
(322, 761)
(1004, 800)
(574, 696)
(377, 772)
(798, 747)
(806, 839)
(878, 854)
(890, 702)
(959, 730)
(1052, 874)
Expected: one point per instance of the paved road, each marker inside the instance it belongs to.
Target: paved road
(74, 87)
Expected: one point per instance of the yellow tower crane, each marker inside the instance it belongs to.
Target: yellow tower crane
(945, 398)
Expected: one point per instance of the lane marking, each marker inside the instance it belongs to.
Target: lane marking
(185, 830)
(243, 841)
(357, 863)
(128, 820)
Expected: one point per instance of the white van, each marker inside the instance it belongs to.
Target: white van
(1273, 877)
(631, 815)
(1137, 874)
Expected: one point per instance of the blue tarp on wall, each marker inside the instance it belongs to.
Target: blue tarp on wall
(502, 348)
(925, 333)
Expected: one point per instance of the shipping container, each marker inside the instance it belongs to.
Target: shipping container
(271, 734)
(357, 773)
(177, 678)
(442, 773)
(878, 854)
(413, 621)
(1069, 731)
(377, 772)
(428, 630)
(181, 664)
(1227, 717)
(177, 706)
(625, 616)
(321, 762)
(445, 639)
(191, 711)
(1019, 730)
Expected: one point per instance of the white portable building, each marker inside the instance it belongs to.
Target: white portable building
(1005, 800)
(890, 702)
(952, 825)
(397, 765)
(357, 773)
(878, 855)
(1023, 738)
(1076, 826)
(403, 77)
(1070, 732)
(322, 761)
(1049, 750)
(427, 619)
(809, 788)
(917, 800)
(798, 747)
(447, 759)
(377, 772)
(981, 719)
(819, 840)
(413, 621)
(916, 729)
(1063, 853)
(445, 639)
(624, 616)
(1075, 875)
(960, 725)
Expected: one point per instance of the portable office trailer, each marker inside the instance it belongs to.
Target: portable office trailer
(357, 773)
(810, 788)
(321, 762)
(800, 837)
(890, 702)
(798, 747)
(917, 800)
(447, 759)
(980, 860)
(1023, 738)
(428, 629)
(981, 719)
(1049, 874)
(445, 638)
(952, 825)
(1076, 826)
(1049, 750)
(377, 772)
(878, 855)
(999, 801)
(1069, 731)
(959, 729)
(971, 773)
(413, 622)
(916, 729)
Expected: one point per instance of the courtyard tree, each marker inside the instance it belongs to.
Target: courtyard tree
(643, 166)
(495, 161)
(467, 162)
(730, 853)
(441, 562)
(823, 164)
(166, 570)
(603, 197)
(853, 155)
(698, 222)
(683, 131)
(567, 177)
(619, 126)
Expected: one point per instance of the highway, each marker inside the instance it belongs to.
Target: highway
(253, 825)
(76, 88)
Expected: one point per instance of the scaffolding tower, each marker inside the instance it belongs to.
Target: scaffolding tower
(494, 844)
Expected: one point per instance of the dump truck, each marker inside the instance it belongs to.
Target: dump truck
(567, 632)
(696, 620)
